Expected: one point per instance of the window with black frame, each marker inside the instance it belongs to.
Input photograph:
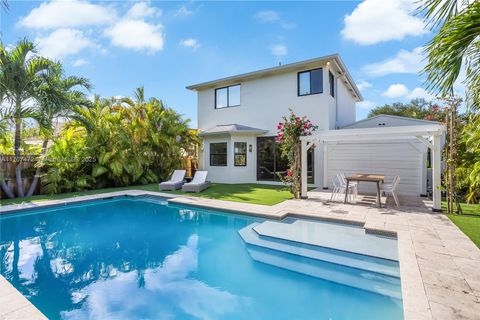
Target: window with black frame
(331, 79)
(240, 154)
(227, 97)
(310, 82)
(218, 154)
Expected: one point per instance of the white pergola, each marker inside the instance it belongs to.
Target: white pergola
(430, 135)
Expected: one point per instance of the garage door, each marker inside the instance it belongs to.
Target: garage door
(405, 159)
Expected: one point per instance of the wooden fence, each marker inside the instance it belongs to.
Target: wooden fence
(7, 171)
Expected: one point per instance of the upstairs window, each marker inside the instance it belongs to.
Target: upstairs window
(310, 82)
(218, 154)
(331, 80)
(227, 97)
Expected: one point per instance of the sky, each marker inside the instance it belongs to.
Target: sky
(166, 46)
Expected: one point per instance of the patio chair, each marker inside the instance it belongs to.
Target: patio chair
(198, 183)
(339, 188)
(352, 184)
(176, 181)
(391, 188)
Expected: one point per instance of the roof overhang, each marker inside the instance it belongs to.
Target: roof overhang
(232, 129)
(335, 59)
(378, 133)
(222, 133)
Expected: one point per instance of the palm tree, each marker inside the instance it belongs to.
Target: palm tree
(4, 5)
(20, 70)
(57, 97)
(456, 45)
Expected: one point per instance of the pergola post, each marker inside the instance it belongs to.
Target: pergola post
(304, 173)
(325, 165)
(436, 174)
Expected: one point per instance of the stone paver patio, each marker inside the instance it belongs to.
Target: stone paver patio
(439, 265)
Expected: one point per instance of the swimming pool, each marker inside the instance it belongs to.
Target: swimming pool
(145, 258)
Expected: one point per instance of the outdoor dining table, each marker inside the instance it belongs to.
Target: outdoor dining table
(365, 177)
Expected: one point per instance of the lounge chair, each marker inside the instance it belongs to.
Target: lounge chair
(199, 182)
(175, 182)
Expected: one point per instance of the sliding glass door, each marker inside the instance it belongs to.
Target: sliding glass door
(270, 163)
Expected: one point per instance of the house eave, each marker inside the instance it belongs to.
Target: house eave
(296, 66)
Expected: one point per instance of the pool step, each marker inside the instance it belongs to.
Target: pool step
(342, 237)
(338, 257)
(368, 281)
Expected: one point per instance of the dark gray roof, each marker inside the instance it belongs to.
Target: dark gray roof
(389, 121)
(232, 128)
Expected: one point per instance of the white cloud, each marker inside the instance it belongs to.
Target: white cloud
(420, 93)
(63, 42)
(61, 14)
(404, 62)
(362, 85)
(395, 91)
(374, 21)
(142, 10)
(79, 62)
(190, 43)
(137, 35)
(279, 50)
(270, 16)
(366, 104)
(267, 16)
(183, 11)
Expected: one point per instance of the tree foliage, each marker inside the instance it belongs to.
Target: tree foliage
(417, 108)
(456, 46)
(118, 142)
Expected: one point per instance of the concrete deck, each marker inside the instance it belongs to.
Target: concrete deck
(439, 265)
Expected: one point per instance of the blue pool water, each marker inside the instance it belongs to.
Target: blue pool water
(142, 258)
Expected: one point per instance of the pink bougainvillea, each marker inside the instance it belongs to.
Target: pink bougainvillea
(290, 129)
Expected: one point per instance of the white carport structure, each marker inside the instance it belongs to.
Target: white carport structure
(430, 135)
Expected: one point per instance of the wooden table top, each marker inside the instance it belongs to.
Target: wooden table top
(373, 177)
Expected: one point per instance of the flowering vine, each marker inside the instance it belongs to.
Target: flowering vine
(290, 129)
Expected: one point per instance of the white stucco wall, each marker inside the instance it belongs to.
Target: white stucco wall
(230, 173)
(264, 101)
(346, 105)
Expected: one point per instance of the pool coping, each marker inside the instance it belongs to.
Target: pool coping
(416, 303)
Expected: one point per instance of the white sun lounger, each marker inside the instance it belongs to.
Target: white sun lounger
(175, 182)
(199, 182)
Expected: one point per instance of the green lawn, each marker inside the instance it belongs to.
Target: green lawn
(249, 193)
(468, 222)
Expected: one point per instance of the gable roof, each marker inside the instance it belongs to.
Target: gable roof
(231, 128)
(296, 66)
(387, 120)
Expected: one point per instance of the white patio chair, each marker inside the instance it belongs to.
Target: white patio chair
(352, 184)
(391, 188)
(339, 188)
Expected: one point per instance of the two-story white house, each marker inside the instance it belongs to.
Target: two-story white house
(238, 117)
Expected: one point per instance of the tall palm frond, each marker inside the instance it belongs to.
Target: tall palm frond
(456, 43)
(436, 12)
